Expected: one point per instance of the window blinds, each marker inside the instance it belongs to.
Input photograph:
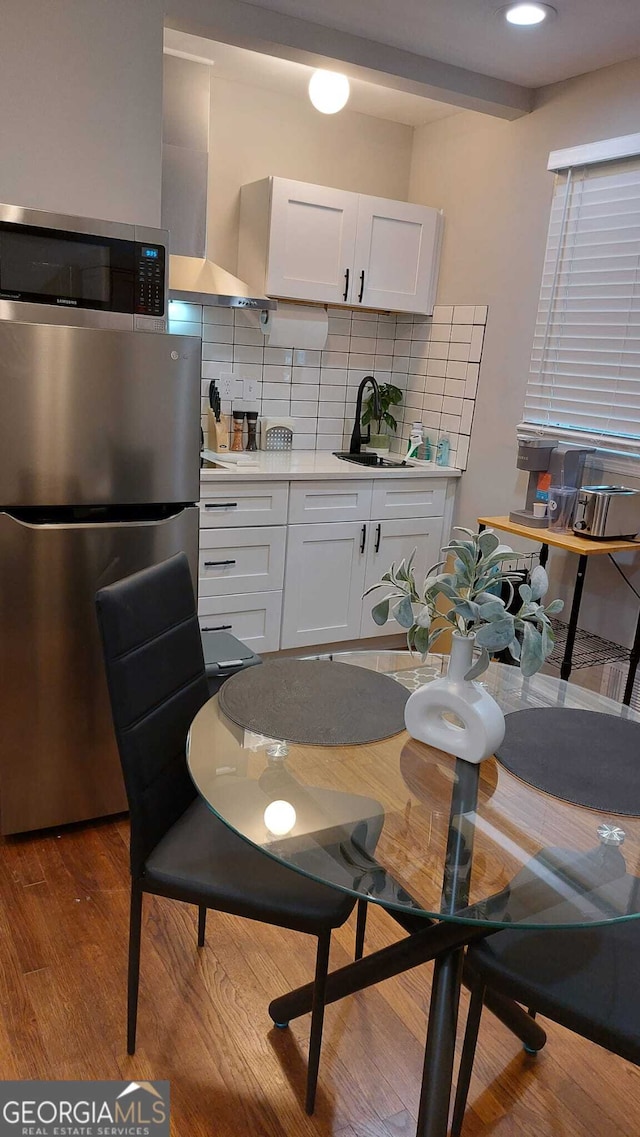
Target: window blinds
(585, 366)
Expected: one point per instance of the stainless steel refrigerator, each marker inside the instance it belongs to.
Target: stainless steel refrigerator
(99, 476)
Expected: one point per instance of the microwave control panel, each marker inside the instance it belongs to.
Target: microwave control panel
(150, 266)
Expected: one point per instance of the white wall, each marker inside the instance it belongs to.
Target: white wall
(255, 133)
(81, 99)
(491, 179)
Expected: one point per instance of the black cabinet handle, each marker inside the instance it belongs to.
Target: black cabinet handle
(220, 628)
(363, 537)
(222, 505)
(346, 284)
(361, 287)
(216, 564)
(378, 536)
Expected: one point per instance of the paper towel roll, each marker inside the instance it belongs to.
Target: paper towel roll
(293, 325)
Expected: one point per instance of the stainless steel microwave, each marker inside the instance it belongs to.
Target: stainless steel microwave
(56, 269)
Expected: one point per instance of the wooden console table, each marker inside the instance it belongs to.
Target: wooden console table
(583, 548)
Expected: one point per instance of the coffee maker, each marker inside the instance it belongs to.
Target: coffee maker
(549, 463)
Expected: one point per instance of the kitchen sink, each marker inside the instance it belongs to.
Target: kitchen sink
(370, 460)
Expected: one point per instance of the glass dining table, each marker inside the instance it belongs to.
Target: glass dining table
(453, 851)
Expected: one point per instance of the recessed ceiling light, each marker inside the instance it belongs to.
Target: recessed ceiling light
(328, 91)
(527, 15)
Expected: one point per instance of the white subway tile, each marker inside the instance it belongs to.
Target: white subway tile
(462, 452)
(218, 333)
(461, 351)
(248, 337)
(329, 441)
(246, 318)
(247, 354)
(184, 313)
(280, 391)
(435, 385)
(340, 325)
(272, 373)
(333, 376)
(337, 343)
(306, 357)
(439, 350)
(421, 330)
(466, 418)
(300, 409)
(451, 406)
(461, 333)
(384, 346)
(431, 420)
(211, 368)
(450, 423)
(306, 391)
(471, 385)
(248, 371)
(416, 383)
(220, 353)
(210, 350)
(306, 375)
(418, 367)
(275, 408)
(341, 313)
(330, 425)
(330, 393)
(437, 367)
(432, 403)
(401, 363)
(456, 369)
(361, 362)
(215, 315)
(185, 328)
(419, 349)
(335, 359)
(455, 388)
(282, 356)
(480, 314)
(477, 336)
(443, 313)
(304, 441)
(332, 409)
(463, 313)
(363, 345)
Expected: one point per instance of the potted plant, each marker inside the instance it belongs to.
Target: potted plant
(389, 396)
(482, 620)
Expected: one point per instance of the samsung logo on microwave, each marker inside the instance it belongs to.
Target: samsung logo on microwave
(69, 303)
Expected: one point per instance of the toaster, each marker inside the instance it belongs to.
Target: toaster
(607, 512)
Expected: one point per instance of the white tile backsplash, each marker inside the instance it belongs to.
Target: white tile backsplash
(435, 362)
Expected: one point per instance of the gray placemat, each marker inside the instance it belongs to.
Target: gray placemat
(316, 702)
(583, 757)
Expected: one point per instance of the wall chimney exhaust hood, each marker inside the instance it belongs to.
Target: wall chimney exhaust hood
(203, 282)
(185, 178)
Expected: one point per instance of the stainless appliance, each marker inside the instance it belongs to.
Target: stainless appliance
(82, 272)
(99, 473)
(607, 512)
(548, 463)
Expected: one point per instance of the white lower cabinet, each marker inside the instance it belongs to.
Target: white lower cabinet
(389, 542)
(241, 560)
(253, 617)
(323, 583)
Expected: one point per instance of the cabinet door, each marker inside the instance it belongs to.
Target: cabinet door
(397, 255)
(390, 541)
(323, 583)
(311, 242)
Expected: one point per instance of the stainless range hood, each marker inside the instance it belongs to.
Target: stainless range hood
(201, 281)
(185, 182)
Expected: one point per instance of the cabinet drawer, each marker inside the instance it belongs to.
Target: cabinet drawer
(241, 560)
(232, 503)
(253, 618)
(329, 501)
(408, 497)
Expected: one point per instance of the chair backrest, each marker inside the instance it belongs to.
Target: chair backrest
(157, 683)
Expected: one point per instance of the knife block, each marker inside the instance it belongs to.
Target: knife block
(217, 432)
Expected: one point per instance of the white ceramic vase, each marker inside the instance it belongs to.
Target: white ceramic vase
(481, 722)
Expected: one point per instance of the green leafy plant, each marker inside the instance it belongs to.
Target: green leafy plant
(476, 607)
(390, 396)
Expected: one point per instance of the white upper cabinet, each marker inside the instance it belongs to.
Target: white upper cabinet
(305, 242)
(396, 257)
(311, 241)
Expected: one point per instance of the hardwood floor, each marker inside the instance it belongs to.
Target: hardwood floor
(203, 1020)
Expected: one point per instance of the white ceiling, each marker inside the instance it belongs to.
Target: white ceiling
(282, 75)
(587, 34)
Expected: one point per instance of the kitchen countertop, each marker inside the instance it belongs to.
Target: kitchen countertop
(309, 465)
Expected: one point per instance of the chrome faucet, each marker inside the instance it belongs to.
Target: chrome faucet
(356, 436)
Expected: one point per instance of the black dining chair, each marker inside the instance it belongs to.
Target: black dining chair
(586, 979)
(179, 848)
